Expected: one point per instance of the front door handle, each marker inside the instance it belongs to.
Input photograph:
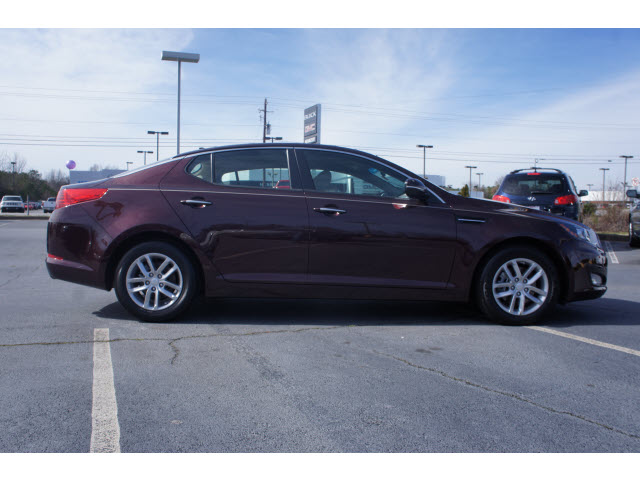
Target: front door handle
(329, 210)
(196, 203)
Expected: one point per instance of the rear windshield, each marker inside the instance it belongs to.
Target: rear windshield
(523, 184)
(12, 199)
(51, 199)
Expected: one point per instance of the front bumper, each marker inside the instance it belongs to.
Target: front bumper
(588, 268)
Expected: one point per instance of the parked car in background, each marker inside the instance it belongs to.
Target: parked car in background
(12, 203)
(49, 205)
(546, 189)
(634, 219)
(351, 225)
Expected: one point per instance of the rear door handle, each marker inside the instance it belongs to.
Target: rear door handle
(196, 203)
(329, 210)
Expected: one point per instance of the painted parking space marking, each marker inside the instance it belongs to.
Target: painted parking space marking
(105, 429)
(610, 252)
(611, 346)
(3, 224)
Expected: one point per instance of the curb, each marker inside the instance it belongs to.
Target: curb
(23, 217)
(613, 237)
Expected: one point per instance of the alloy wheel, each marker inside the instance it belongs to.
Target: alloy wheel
(154, 281)
(520, 286)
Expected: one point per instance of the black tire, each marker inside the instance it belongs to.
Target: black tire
(484, 288)
(634, 240)
(186, 272)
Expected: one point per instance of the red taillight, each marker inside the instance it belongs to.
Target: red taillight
(502, 198)
(54, 257)
(566, 200)
(533, 173)
(70, 196)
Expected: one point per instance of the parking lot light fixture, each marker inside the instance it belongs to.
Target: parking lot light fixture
(145, 154)
(424, 158)
(273, 138)
(624, 183)
(470, 167)
(129, 163)
(157, 134)
(604, 171)
(180, 57)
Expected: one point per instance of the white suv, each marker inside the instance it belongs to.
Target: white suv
(49, 205)
(12, 203)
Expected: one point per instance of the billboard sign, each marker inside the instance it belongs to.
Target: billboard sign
(312, 124)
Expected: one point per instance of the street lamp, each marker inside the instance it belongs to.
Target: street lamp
(480, 180)
(273, 138)
(604, 171)
(145, 154)
(129, 163)
(424, 158)
(180, 57)
(157, 134)
(470, 169)
(626, 157)
(535, 163)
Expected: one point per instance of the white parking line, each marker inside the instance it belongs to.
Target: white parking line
(610, 252)
(3, 224)
(105, 430)
(630, 351)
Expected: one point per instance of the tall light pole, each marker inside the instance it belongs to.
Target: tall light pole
(129, 163)
(157, 134)
(590, 185)
(626, 157)
(145, 155)
(424, 158)
(470, 170)
(604, 171)
(180, 57)
(535, 163)
(273, 138)
(480, 180)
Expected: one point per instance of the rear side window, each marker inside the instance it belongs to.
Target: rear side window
(251, 168)
(534, 184)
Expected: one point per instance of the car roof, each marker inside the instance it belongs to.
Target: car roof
(278, 145)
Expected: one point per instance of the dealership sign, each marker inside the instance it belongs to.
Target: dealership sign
(312, 124)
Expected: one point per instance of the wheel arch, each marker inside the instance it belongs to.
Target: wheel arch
(540, 245)
(152, 236)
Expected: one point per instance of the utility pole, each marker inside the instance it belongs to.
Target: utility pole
(264, 122)
(626, 157)
(604, 171)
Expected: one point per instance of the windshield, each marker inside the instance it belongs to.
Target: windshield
(13, 199)
(534, 184)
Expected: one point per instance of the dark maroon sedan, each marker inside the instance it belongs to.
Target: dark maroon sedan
(351, 225)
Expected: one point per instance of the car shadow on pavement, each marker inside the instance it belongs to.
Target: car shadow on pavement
(256, 311)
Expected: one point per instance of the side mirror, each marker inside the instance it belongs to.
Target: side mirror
(583, 193)
(632, 193)
(415, 189)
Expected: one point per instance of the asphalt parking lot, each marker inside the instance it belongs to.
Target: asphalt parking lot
(79, 374)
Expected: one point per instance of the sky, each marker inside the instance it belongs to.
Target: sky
(492, 98)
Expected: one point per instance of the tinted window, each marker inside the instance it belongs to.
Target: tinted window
(255, 168)
(13, 199)
(532, 184)
(201, 168)
(343, 173)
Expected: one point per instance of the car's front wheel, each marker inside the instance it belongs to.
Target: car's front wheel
(155, 281)
(634, 240)
(518, 286)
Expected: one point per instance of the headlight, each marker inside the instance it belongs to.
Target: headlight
(582, 233)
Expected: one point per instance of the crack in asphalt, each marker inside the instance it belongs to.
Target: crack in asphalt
(507, 394)
(171, 341)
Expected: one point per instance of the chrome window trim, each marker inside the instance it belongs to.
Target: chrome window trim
(373, 160)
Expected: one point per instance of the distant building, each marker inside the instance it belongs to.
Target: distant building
(438, 180)
(82, 176)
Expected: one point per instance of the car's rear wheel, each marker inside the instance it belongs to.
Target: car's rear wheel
(518, 286)
(155, 281)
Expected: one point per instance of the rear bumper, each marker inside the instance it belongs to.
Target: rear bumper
(75, 248)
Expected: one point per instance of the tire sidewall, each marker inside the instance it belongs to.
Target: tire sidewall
(188, 278)
(484, 291)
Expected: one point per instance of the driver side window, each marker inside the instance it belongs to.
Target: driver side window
(334, 172)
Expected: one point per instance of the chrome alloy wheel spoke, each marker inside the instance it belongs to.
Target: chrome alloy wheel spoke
(149, 286)
(520, 286)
